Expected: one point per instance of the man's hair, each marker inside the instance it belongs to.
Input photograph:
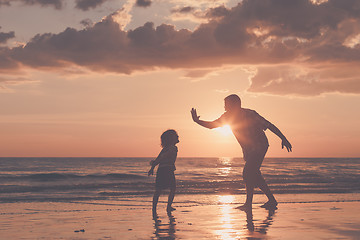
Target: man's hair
(233, 98)
(167, 138)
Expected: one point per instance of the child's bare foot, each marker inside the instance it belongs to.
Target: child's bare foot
(270, 205)
(170, 209)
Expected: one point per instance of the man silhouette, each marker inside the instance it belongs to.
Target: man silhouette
(248, 127)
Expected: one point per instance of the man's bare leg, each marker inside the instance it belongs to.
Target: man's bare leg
(249, 197)
(271, 203)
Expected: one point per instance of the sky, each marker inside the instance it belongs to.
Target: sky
(104, 78)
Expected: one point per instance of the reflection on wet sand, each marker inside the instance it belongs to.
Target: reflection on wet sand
(219, 221)
(165, 230)
(228, 230)
(234, 225)
(263, 226)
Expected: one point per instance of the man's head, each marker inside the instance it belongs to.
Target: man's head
(232, 102)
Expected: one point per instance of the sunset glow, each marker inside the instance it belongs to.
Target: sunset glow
(225, 130)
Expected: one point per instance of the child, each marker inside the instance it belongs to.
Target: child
(165, 177)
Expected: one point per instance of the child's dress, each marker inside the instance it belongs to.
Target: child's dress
(165, 177)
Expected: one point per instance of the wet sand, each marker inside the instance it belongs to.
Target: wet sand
(197, 217)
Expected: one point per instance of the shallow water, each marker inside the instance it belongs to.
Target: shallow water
(69, 179)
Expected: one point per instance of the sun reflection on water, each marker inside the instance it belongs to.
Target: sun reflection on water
(225, 166)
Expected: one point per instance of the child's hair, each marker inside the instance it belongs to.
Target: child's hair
(168, 137)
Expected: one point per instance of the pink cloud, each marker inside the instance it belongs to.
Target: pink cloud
(255, 32)
(5, 36)
(88, 4)
(143, 3)
(306, 80)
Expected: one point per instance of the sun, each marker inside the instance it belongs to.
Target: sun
(225, 130)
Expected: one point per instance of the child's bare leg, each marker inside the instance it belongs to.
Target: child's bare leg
(171, 199)
(155, 199)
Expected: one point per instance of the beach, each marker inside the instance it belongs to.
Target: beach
(111, 198)
(200, 216)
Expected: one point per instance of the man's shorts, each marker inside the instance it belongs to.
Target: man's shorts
(253, 160)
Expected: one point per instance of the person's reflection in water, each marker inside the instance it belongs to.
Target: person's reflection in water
(249, 220)
(165, 230)
(264, 225)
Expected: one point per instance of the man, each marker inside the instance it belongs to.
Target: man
(248, 127)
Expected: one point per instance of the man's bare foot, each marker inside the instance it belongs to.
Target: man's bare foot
(244, 207)
(170, 209)
(270, 205)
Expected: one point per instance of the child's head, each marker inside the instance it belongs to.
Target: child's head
(169, 137)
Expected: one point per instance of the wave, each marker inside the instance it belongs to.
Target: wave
(91, 179)
(68, 176)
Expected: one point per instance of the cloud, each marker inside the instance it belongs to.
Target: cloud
(4, 37)
(196, 14)
(7, 64)
(5, 2)
(222, 91)
(188, 13)
(187, 9)
(13, 81)
(217, 12)
(294, 44)
(143, 3)
(87, 4)
(55, 3)
(306, 81)
(86, 22)
(198, 73)
(123, 16)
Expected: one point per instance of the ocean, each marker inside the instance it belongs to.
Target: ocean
(92, 179)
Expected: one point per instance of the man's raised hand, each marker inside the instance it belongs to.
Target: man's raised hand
(194, 115)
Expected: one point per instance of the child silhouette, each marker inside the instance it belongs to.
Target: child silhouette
(165, 177)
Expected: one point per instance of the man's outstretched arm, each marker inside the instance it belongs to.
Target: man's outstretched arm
(207, 124)
(284, 142)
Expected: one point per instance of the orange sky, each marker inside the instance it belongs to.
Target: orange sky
(109, 87)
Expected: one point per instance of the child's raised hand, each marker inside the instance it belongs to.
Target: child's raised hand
(151, 172)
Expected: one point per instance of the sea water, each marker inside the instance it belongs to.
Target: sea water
(92, 179)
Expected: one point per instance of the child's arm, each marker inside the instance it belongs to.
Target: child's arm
(155, 162)
(164, 154)
(151, 171)
(207, 124)
(277, 132)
